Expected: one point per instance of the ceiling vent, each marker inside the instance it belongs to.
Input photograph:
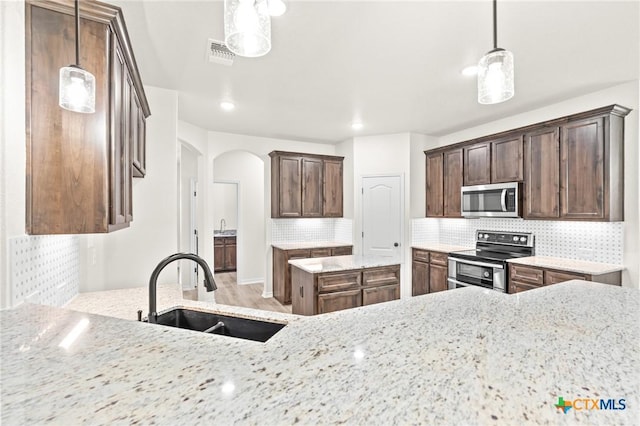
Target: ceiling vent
(218, 53)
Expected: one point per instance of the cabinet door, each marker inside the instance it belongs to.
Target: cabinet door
(120, 95)
(290, 255)
(582, 186)
(332, 189)
(331, 302)
(385, 293)
(230, 257)
(555, 277)
(419, 278)
(477, 164)
(218, 255)
(311, 187)
(526, 274)
(375, 277)
(437, 278)
(320, 252)
(452, 182)
(542, 180)
(507, 160)
(290, 191)
(435, 185)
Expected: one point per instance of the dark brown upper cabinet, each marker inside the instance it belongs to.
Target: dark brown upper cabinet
(306, 185)
(80, 166)
(542, 174)
(572, 167)
(507, 160)
(477, 164)
(435, 185)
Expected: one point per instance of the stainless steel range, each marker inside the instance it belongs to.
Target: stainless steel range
(486, 266)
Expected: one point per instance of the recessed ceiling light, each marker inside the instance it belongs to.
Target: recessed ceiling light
(470, 70)
(227, 106)
(356, 125)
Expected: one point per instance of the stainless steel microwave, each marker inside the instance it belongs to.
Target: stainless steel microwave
(495, 200)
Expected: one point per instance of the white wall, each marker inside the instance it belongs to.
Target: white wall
(248, 170)
(188, 170)
(384, 155)
(220, 143)
(127, 257)
(226, 201)
(626, 95)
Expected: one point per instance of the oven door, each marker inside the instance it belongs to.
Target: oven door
(464, 273)
(499, 200)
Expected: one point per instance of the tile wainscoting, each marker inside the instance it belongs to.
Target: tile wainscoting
(592, 241)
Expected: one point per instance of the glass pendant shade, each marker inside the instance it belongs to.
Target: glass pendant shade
(247, 27)
(495, 77)
(276, 7)
(77, 90)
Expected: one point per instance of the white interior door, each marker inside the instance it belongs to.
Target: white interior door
(381, 216)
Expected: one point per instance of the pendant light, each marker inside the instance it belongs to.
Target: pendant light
(495, 71)
(276, 7)
(77, 86)
(247, 27)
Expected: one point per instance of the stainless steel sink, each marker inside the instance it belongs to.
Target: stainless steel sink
(227, 233)
(243, 328)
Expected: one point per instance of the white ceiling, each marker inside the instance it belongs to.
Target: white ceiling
(393, 65)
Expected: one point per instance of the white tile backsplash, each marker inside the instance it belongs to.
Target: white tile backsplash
(593, 241)
(310, 230)
(44, 269)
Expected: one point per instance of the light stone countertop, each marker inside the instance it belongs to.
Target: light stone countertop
(342, 263)
(465, 356)
(310, 245)
(571, 265)
(443, 248)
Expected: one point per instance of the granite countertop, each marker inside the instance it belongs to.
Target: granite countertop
(227, 233)
(310, 245)
(342, 263)
(571, 265)
(465, 356)
(444, 248)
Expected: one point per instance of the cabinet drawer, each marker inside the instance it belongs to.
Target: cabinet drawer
(385, 293)
(381, 276)
(519, 286)
(229, 240)
(338, 281)
(339, 300)
(218, 241)
(298, 254)
(439, 258)
(555, 277)
(320, 252)
(341, 251)
(421, 255)
(526, 274)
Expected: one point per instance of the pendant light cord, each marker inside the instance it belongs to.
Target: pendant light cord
(495, 24)
(77, 7)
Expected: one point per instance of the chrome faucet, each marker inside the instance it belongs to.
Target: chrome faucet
(223, 224)
(209, 282)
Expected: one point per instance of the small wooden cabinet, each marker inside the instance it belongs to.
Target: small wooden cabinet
(477, 164)
(523, 278)
(282, 269)
(435, 185)
(507, 160)
(429, 272)
(320, 293)
(224, 254)
(306, 185)
(542, 174)
(444, 181)
(80, 166)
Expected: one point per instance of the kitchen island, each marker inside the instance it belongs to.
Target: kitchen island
(465, 356)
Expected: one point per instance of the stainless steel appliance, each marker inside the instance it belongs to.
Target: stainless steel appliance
(486, 266)
(495, 200)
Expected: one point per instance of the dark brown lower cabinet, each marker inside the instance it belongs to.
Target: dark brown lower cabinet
(523, 278)
(224, 254)
(282, 269)
(429, 272)
(320, 293)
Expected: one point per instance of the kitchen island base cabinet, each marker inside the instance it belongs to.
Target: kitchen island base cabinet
(320, 293)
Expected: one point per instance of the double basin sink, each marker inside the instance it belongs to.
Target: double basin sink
(243, 328)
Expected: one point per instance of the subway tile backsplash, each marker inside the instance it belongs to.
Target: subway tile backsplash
(593, 241)
(44, 269)
(310, 230)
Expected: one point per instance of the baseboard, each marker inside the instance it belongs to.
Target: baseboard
(251, 281)
(267, 295)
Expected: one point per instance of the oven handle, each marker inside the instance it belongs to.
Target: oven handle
(452, 281)
(503, 200)
(473, 262)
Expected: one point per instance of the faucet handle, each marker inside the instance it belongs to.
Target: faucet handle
(139, 314)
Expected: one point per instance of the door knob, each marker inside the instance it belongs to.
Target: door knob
(396, 244)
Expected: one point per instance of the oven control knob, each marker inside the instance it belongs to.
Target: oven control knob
(486, 274)
(515, 238)
(523, 239)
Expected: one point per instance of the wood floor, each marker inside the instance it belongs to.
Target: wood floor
(248, 295)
